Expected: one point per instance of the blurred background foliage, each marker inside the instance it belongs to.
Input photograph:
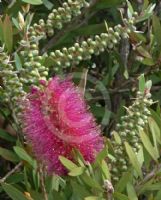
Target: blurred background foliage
(118, 69)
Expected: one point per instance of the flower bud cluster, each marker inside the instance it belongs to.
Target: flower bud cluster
(96, 45)
(128, 130)
(64, 14)
(12, 86)
(57, 18)
(33, 70)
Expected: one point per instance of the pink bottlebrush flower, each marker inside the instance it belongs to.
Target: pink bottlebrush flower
(56, 120)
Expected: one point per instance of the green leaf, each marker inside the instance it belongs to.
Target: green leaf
(94, 198)
(156, 117)
(24, 155)
(33, 2)
(146, 13)
(8, 33)
(54, 195)
(158, 196)
(143, 52)
(148, 84)
(67, 163)
(141, 83)
(15, 178)
(6, 136)
(13, 192)
(1, 30)
(116, 137)
(105, 170)
(148, 61)
(156, 133)
(36, 195)
(76, 171)
(91, 182)
(18, 62)
(16, 23)
(119, 196)
(130, 10)
(157, 31)
(131, 192)
(48, 4)
(133, 159)
(140, 156)
(148, 145)
(79, 191)
(102, 4)
(121, 185)
(102, 155)
(8, 155)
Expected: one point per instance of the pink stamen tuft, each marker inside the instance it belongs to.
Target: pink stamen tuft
(56, 121)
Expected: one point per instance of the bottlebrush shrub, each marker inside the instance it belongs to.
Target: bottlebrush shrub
(56, 121)
(73, 162)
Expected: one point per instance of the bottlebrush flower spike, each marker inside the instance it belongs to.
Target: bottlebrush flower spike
(56, 120)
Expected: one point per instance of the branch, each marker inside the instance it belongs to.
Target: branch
(2, 180)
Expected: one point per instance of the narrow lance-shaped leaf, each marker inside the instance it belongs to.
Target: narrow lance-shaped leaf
(18, 62)
(8, 33)
(33, 2)
(76, 171)
(23, 155)
(146, 13)
(1, 30)
(8, 155)
(157, 31)
(155, 134)
(105, 170)
(148, 145)
(119, 196)
(13, 192)
(133, 159)
(7, 136)
(130, 10)
(121, 185)
(131, 192)
(67, 163)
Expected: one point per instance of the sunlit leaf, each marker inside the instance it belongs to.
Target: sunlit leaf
(105, 170)
(33, 2)
(8, 33)
(148, 145)
(130, 10)
(18, 62)
(24, 155)
(76, 171)
(131, 192)
(119, 196)
(133, 159)
(67, 163)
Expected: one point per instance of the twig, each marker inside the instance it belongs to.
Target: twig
(73, 24)
(2, 180)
